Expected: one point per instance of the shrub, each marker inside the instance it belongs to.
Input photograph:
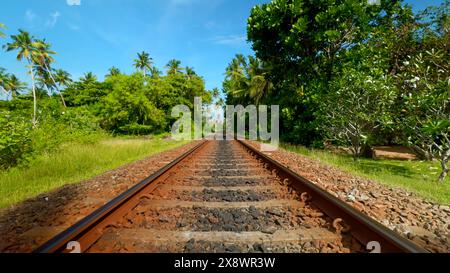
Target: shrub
(15, 141)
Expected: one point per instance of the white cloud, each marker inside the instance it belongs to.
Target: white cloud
(230, 40)
(73, 2)
(73, 27)
(30, 15)
(53, 19)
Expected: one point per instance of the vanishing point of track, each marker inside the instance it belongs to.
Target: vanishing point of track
(226, 196)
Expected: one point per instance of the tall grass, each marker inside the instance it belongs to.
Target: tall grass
(73, 162)
(415, 176)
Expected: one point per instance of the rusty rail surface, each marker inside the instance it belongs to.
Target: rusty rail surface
(362, 227)
(347, 219)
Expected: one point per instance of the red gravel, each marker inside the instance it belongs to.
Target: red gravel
(25, 226)
(424, 222)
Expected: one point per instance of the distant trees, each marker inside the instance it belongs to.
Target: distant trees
(174, 67)
(62, 78)
(10, 84)
(113, 71)
(88, 78)
(155, 72)
(126, 109)
(14, 86)
(143, 62)
(26, 46)
(120, 104)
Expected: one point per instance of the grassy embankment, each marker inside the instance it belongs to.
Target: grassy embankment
(415, 176)
(74, 162)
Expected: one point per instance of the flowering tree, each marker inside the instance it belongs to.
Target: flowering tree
(425, 115)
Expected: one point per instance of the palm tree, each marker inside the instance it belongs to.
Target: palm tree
(2, 26)
(3, 80)
(260, 87)
(43, 58)
(14, 86)
(173, 67)
(155, 72)
(113, 71)
(26, 46)
(216, 92)
(190, 72)
(248, 80)
(88, 78)
(43, 80)
(143, 62)
(62, 78)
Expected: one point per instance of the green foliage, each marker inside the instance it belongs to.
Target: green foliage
(15, 140)
(2, 26)
(126, 109)
(306, 45)
(246, 81)
(351, 72)
(361, 104)
(87, 91)
(143, 62)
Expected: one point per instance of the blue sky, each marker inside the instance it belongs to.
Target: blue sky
(98, 34)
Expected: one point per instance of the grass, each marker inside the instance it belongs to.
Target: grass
(415, 176)
(74, 162)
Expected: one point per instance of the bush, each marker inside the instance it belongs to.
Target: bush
(15, 141)
(127, 110)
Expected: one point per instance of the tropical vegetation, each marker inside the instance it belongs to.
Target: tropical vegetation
(350, 73)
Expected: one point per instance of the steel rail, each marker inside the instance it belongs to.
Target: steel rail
(88, 230)
(362, 227)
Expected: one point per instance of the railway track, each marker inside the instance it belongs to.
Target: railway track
(226, 196)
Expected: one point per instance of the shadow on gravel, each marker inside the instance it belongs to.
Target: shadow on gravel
(25, 226)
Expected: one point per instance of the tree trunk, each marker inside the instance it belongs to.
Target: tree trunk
(34, 95)
(445, 169)
(421, 153)
(443, 175)
(367, 152)
(56, 86)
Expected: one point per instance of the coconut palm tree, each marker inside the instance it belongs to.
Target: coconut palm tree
(14, 86)
(155, 72)
(248, 80)
(43, 80)
(113, 71)
(3, 80)
(190, 72)
(174, 67)
(2, 26)
(62, 78)
(259, 86)
(88, 78)
(26, 46)
(143, 62)
(44, 59)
